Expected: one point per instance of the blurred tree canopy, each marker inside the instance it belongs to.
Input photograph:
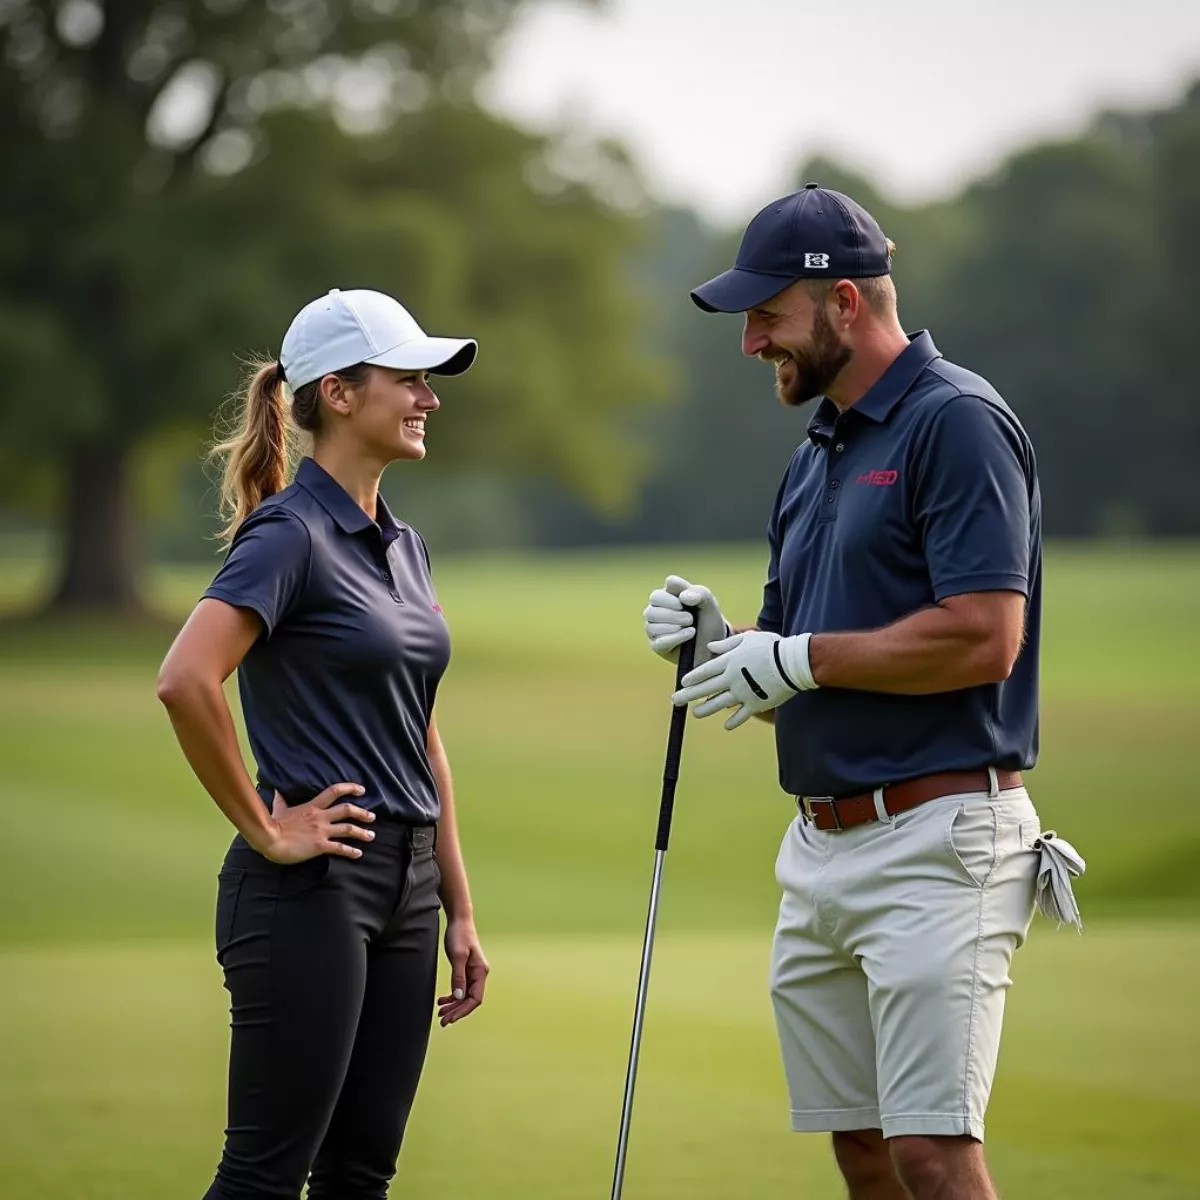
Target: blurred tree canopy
(1070, 278)
(184, 174)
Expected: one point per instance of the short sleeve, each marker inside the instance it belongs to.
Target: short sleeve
(267, 566)
(770, 617)
(974, 480)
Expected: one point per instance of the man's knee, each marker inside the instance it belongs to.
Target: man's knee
(862, 1157)
(926, 1165)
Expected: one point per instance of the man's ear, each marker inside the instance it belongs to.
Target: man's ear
(846, 300)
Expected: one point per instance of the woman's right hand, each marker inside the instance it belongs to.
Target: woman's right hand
(303, 831)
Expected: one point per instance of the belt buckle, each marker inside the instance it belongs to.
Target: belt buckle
(806, 808)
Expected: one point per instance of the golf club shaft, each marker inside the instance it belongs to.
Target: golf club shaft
(639, 1017)
(687, 657)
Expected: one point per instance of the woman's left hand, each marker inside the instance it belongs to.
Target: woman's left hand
(468, 972)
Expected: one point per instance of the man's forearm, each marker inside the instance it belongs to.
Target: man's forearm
(933, 650)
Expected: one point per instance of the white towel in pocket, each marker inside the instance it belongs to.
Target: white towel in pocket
(1060, 863)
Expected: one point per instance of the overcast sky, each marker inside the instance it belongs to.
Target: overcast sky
(719, 99)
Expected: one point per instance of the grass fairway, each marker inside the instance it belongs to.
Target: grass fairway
(113, 1082)
(113, 1024)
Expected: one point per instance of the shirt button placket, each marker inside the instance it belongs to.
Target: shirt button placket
(831, 498)
(387, 578)
(831, 489)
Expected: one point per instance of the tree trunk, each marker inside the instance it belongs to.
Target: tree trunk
(100, 544)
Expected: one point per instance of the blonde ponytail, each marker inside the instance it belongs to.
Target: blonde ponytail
(259, 449)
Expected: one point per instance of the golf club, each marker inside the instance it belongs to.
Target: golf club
(687, 656)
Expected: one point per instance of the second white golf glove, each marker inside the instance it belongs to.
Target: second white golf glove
(750, 673)
(668, 626)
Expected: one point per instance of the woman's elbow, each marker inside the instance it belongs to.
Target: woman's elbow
(177, 685)
(169, 688)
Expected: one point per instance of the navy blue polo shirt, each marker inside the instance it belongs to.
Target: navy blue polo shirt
(925, 489)
(342, 681)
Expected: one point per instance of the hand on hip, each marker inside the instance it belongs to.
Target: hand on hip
(303, 831)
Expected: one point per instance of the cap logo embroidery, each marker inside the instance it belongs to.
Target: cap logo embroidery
(818, 262)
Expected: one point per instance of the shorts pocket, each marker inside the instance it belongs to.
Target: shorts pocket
(971, 841)
(229, 890)
(1028, 833)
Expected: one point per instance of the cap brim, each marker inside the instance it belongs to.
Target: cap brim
(439, 356)
(738, 290)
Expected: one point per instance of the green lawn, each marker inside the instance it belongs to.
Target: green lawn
(113, 1085)
(112, 1019)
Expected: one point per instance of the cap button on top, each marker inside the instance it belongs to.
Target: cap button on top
(809, 186)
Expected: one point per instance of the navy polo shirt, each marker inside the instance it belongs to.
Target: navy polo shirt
(925, 489)
(342, 681)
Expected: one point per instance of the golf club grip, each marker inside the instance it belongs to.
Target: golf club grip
(687, 659)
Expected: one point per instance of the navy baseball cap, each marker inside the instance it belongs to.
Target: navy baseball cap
(814, 233)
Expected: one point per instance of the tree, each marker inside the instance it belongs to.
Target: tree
(1069, 277)
(1049, 302)
(188, 178)
(1164, 410)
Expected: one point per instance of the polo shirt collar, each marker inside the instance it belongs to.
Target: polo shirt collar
(336, 501)
(887, 391)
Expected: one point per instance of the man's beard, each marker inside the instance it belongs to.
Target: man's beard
(813, 369)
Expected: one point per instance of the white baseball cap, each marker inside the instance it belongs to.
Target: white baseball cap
(343, 329)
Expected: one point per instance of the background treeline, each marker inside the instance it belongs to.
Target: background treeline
(181, 176)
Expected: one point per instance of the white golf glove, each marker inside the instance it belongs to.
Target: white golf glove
(668, 626)
(750, 673)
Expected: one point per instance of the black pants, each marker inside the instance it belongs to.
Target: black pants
(331, 969)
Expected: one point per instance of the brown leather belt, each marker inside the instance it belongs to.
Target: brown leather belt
(844, 812)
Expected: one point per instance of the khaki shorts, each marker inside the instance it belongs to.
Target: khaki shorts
(891, 960)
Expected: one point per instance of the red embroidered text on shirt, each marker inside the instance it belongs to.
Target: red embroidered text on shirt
(878, 478)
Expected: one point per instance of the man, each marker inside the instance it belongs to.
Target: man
(897, 654)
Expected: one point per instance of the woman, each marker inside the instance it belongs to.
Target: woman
(327, 905)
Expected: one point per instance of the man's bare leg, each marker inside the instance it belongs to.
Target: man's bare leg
(866, 1165)
(942, 1168)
